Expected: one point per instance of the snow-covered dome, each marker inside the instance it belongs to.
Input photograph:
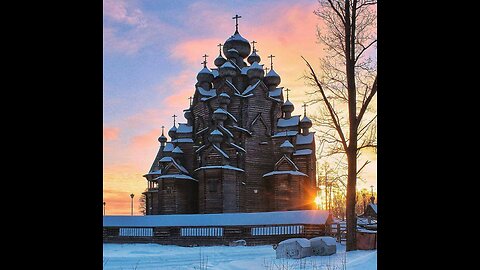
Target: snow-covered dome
(254, 57)
(224, 99)
(255, 71)
(287, 106)
(172, 132)
(187, 114)
(238, 43)
(219, 61)
(205, 75)
(272, 79)
(227, 69)
(305, 122)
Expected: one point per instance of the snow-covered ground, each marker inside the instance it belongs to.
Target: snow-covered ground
(154, 256)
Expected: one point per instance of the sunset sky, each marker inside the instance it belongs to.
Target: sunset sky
(152, 53)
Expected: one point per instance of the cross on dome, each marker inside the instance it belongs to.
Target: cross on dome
(287, 90)
(162, 129)
(236, 22)
(304, 109)
(220, 48)
(174, 116)
(205, 61)
(271, 60)
(253, 45)
(190, 98)
(266, 69)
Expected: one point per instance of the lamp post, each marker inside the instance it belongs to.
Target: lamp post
(131, 196)
(104, 203)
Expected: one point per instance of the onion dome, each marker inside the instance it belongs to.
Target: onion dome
(172, 132)
(305, 122)
(187, 114)
(255, 71)
(219, 114)
(238, 43)
(224, 99)
(219, 61)
(215, 136)
(254, 57)
(272, 79)
(232, 53)
(205, 75)
(227, 69)
(287, 107)
(287, 147)
(162, 139)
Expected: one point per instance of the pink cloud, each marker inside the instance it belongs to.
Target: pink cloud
(110, 133)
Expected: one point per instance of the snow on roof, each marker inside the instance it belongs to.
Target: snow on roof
(250, 88)
(286, 143)
(223, 219)
(232, 87)
(307, 139)
(232, 50)
(215, 73)
(221, 151)
(184, 128)
(166, 159)
(168, 147)
(183, 140)
(241, 129)
(287, 103)
(245, 69)
(256, 65)
(284, 172)
(276, 93)
(238, 147)
(231, 116)
(374, 207)
(209, 93)
(154, 172)
(200, 148)
(303, 242)
(220, 110)
(237, 36)
(205, 70)
(272, 73)
(302, 152)
(305, 119)
(228, 64)
(202, 130)
(216, 132)
(226, 167)
(326, 239)
(292, 121)
(176, 176)
(282, 133)
(174, 129)
(223, 94)
(177, 150)
(207, 98)
(226, 131)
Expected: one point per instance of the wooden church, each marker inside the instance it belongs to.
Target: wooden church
(241, 149)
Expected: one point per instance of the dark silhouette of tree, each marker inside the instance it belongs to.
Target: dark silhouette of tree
(345, 87)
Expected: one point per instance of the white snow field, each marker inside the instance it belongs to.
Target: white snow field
(154, 256)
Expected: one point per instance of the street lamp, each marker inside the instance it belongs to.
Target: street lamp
(104, 203)
(131, 196)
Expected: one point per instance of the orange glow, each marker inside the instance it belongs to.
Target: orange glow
(317, 201)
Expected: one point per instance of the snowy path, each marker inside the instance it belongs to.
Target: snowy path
(153, 256)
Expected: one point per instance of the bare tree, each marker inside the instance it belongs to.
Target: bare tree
(346, 87)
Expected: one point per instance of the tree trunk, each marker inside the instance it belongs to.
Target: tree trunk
(351, 193)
